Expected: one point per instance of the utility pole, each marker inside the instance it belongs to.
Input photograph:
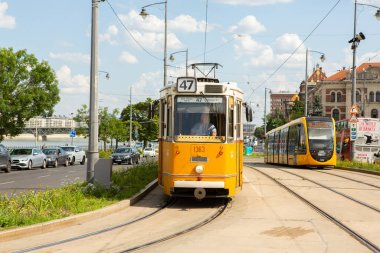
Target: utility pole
(93, 149)
(306, 77)
(130, 116)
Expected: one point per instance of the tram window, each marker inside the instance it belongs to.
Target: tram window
(302, 139)
(238, 121)
(230, 118)
(192, 112)
(162, 117)
(292, 139)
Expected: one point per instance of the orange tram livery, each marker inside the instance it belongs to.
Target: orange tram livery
(307, 141)
(201, 136)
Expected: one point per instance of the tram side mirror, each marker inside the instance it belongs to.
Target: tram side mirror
(248, 113)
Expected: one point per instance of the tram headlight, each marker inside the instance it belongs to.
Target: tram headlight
(199, 169)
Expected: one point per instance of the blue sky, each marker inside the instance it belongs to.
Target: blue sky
(250, 38)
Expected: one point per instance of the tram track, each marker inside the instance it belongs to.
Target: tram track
(167, 204)
(335, 191)
(360, 238)
(348, 178)
(202, 223)
(221, 207)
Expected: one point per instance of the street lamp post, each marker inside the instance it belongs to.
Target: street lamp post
(306, 75)
(171, 58)
(144, 14)
(354, 44)
(265, 110)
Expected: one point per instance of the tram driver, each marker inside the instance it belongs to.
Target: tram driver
(204, 127)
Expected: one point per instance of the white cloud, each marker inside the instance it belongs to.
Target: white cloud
(186, 23)
(6, 21)
(252, 2)
(128, 58)
(72, 84)
(149, 84)
(248, 25)
(154, 41)
(71, 57)
(110, 35)
(287, 43)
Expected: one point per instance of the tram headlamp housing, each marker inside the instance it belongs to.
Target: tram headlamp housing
(199, 169)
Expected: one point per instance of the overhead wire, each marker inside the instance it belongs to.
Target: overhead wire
(130, 33)
(294, 51)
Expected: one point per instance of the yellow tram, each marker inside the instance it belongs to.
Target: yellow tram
(201, 136)
(307, 141)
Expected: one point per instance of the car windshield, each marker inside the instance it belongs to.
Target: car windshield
(24, 151)
(49, 151)
(70, 149)
(123, 150)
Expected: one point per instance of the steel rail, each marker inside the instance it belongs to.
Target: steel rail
(354, 180)
(351, 232)
(335, 191)
(196, 226)
(168, 203)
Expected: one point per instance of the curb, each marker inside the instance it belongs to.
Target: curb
(48, 226)
(359, 170)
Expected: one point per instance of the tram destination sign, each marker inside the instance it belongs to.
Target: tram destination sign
(201, 100)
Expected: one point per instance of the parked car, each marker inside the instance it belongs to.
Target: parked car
(28, 158)
(126, 155)
(5, 159)
(56, 156)
(76, 154)
(149, 152)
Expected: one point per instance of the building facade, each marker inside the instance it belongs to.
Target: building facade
(336, 91)
(282, 101)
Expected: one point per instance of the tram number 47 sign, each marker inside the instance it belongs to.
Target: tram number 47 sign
(186, 84)
(353, 131)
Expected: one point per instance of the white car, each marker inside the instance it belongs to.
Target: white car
(149, 152)
(76, 154)
(28, 158)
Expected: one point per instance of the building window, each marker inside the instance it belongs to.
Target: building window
(335, 114)
(358, 97)
(332, 96)
(371, 97)
(374, 113)
(377, 96)
(338, 97)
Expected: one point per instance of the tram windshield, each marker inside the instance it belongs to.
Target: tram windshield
(321, 135)
(200, 116)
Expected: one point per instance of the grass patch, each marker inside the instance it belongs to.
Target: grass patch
(358, 165)
(39, 206)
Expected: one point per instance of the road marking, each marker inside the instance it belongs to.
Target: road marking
(44, 176)
(8, 182)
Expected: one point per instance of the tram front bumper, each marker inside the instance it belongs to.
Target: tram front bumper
(199, 189)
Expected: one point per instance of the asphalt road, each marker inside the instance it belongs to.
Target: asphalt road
(38, 179)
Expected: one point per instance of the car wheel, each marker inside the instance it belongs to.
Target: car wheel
(83, 160)
(73, 161)
(43, 165)
(55, 164)
(8, 168)
(30, 165)
(137, 161)
(131, 161)
(66, 163)
(119, 163)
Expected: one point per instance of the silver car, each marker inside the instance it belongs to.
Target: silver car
(28, 158)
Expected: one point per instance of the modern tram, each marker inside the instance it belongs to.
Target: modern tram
(307, 141)
(201, 136)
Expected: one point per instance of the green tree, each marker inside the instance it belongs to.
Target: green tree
(28, 88)
(298, 110)
(259, 133)
(317, 106)
(275, 120)
(144, 117)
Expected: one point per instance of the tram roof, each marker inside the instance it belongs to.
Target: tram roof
(206, 86)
